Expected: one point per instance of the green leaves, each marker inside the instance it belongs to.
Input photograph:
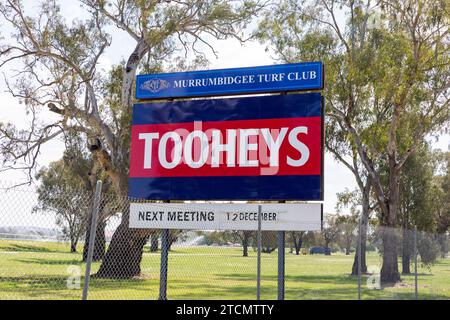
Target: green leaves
(371, 67)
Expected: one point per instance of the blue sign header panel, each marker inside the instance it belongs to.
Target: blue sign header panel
(221, 82)
(249, 148)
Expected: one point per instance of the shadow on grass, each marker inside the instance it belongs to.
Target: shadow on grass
(411, 275)
(338, 279)
(55, 286)
(230, 287)
(32, 248)
(189, 289)
(50, 261)
(347, 288)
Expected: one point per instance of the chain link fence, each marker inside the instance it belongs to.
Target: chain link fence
(43, 249)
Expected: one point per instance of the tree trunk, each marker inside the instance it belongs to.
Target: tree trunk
(154, 241)
(389, 269)
(327, 249)
(73, 246)
(348, 245)
(363, 258)
(362, 247)
(172, 238)
(364, 225)
(406, 262)
(297, 241)
(124, 255)
(100, 242)
(365, 216)
(298, 246)
(443, 244)
(245, 241)
(406, 251)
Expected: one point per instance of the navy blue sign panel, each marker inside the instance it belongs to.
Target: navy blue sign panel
(221, 82)
(249, 148)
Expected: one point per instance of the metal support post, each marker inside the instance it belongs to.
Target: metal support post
(415, 265)
(281, 264)
(359, 246)
(92, 233)
(258, 260)
(164, 264)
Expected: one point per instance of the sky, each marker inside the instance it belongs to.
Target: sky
(230, 54)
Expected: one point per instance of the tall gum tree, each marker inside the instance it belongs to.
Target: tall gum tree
(353, 200)
(416, 206)
(58, 69)
(287, 31)
(387, 82)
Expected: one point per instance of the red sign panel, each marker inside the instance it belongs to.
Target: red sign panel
(248, 148)
(287, 146)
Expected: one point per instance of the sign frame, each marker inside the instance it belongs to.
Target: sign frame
(161, 85)
(133, 185)
(226, 216)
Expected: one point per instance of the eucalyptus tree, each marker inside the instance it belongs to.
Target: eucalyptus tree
(82, 166)
(347, 225)
(387, 82)
(416, 208)
(244, 237)
(353, 200)
(297, 238)
(66, 188)
(296, 36)
(440, 200)
(330, 232)
(62, 193)
(58, 62)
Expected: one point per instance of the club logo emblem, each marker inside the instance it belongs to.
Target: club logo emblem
(154, 85)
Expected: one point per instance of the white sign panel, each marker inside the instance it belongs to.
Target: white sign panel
(206, 216)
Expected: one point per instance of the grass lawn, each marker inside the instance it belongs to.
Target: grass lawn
(40, 270)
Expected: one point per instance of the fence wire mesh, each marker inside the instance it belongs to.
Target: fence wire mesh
(43, 248)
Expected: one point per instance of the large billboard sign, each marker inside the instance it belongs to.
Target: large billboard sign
(264, 79)
(252, 148)
(225, 216)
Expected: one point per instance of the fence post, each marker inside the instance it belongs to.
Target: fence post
(164, 264)
(258, 259)
(416, 292)
(92, 233)
(281, 264)
(359, 247)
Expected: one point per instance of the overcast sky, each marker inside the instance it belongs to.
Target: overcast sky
(230, 54)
